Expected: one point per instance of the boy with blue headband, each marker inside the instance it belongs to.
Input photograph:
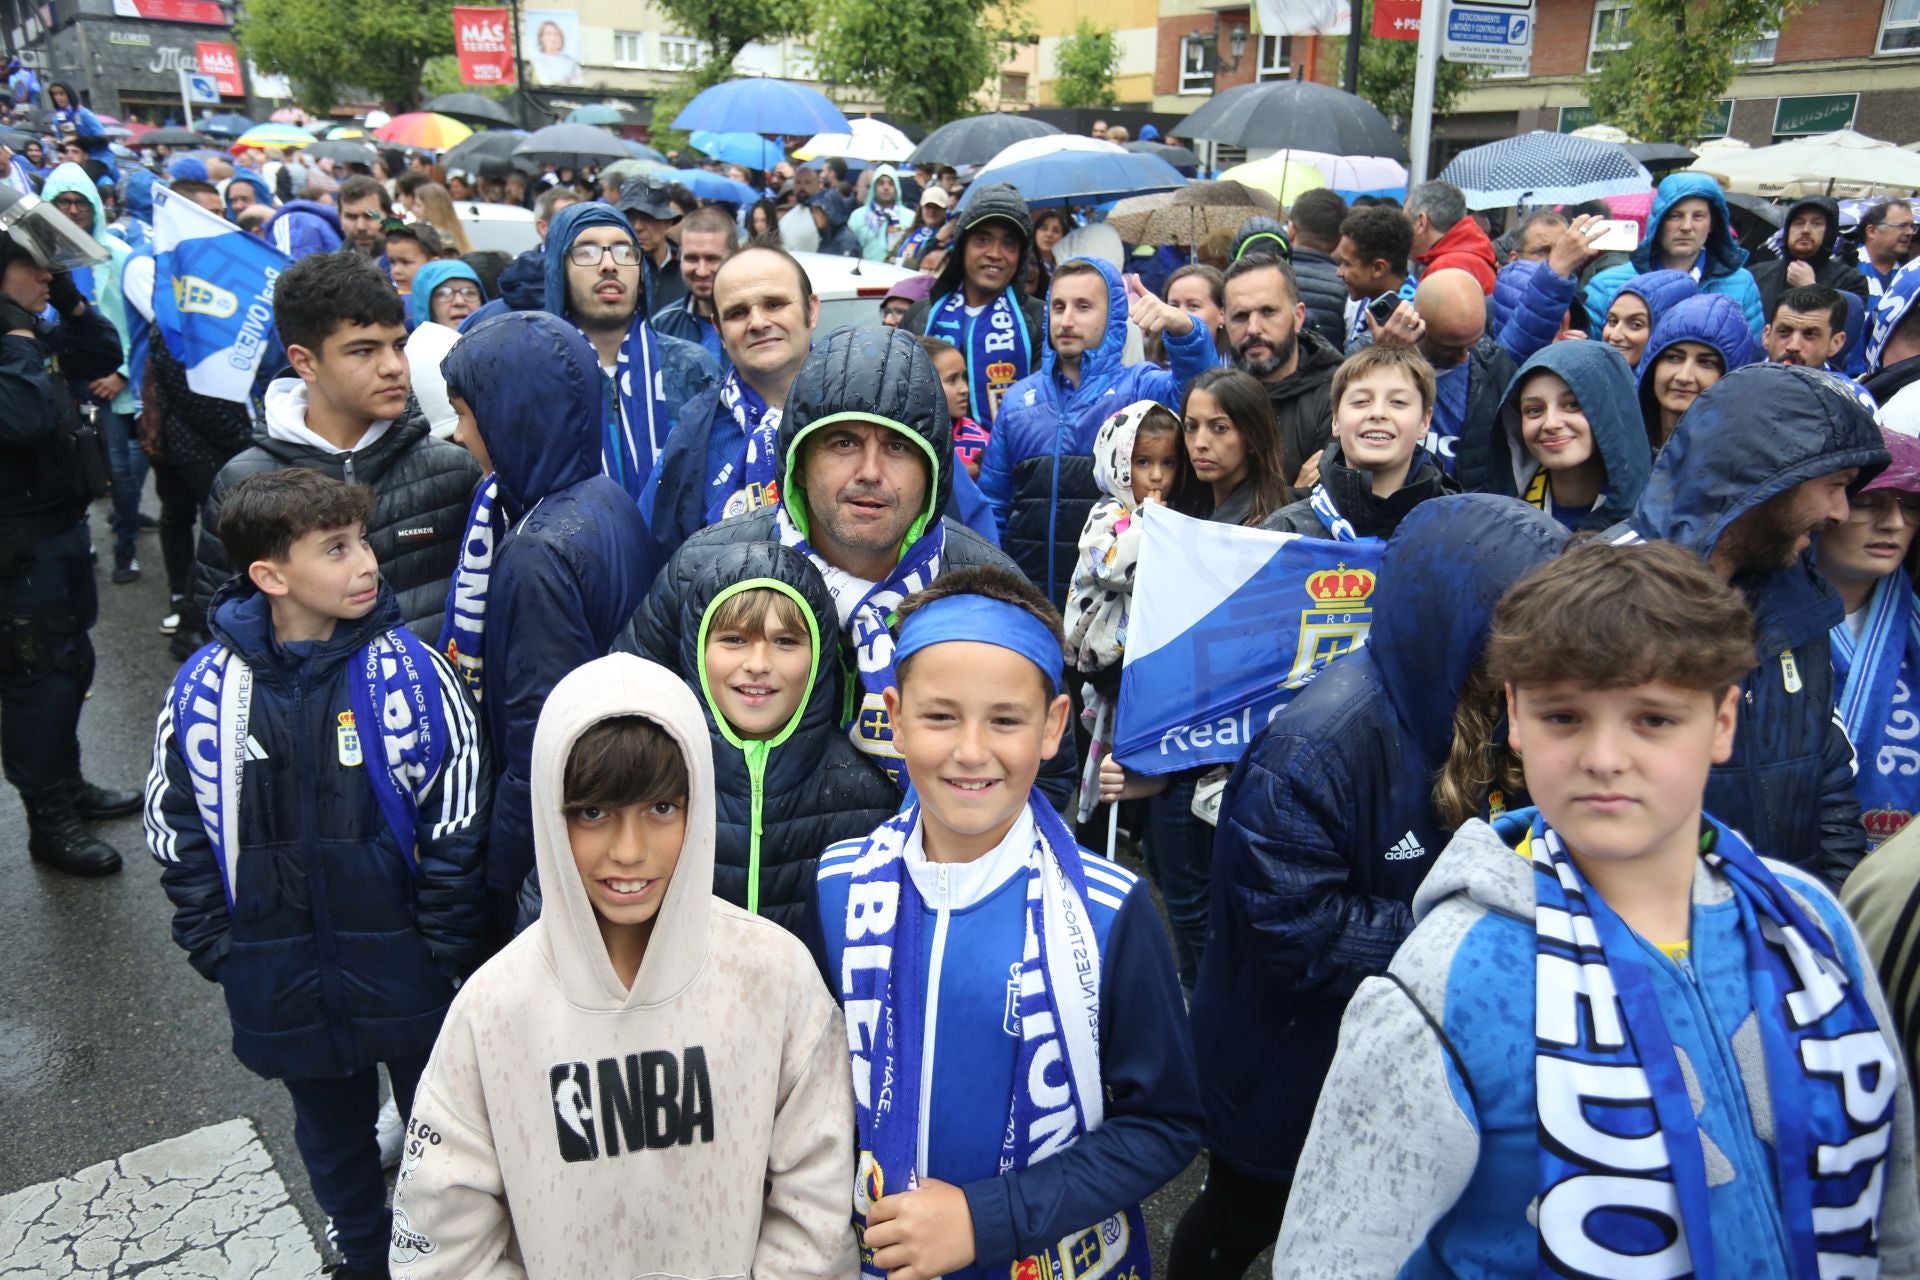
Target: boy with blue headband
(1021, 1069)
(1619, 1044)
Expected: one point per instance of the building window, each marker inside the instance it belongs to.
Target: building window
(1900, 27)
(1609, 31)
(627, 49)
(1013, 86)
(679, 53)
(1197, 63)
(1758, 51)
(1276, 61)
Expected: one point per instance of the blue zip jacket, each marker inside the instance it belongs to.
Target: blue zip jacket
(1599, 378)
(335, 955)
(972, 933)
(1038, 469)
(577, 561)
(1723, 269)
(1435, 1085)
(677, 320)
(1752, 436)
(1529, 301)
(1328, 826)
(1704, 318)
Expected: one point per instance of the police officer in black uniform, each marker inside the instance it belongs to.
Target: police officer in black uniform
(52, 465)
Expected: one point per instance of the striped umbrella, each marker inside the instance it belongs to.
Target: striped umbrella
(273, 135)
(427, 130)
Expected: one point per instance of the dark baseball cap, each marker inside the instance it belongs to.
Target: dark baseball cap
(647, 196)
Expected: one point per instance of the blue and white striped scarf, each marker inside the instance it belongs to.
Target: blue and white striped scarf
(754, 483)
(638, 418)
(463, 631)
(1877, 675)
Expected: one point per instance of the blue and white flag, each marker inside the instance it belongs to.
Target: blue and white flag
(213, 295)
(1228, 624)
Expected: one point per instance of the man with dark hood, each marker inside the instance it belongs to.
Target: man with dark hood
(977, 304)
(1806, 255)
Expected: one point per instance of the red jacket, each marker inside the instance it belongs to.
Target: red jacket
(1464, 246)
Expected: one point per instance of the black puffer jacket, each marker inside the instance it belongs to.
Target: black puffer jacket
(778, 803)
(1352, 494)
(1000, 200)
(194, 428)
(1321, 289)
(1303, 402)
(423, 487)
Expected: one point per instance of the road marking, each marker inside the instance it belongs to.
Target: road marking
(207, 1205)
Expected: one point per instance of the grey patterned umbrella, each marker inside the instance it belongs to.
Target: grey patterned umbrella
(977, 139)
(1295, 115)
(1545, 168)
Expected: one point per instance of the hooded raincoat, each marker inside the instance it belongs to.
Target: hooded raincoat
(1708, 319)
(262, 194)
(697, 1123)
(1752, 436)
(431, 277)
(836, 240)
(300, 227)
(572, 560)
(877, 226)
(1828, 271)
(1721, 267)
(1328, 826)
(101, 284)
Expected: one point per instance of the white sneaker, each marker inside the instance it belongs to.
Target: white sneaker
(170, 623)
(390, 1133)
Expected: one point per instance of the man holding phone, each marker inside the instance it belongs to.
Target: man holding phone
(1371, 257)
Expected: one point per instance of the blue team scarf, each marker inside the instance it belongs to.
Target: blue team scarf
(638, 418)
(1623, 1181)
(748, 486)
(911, 245)
(1057, 1097)
(395, 702)
(463, 635)
(1878, 673)
(1338, 526)
(866, 621)
(994, 343)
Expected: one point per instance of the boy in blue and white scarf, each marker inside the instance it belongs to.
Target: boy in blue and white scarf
(1022, 1075)
(1619, 1044)
(318, 805)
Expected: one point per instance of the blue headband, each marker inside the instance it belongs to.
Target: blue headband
(981, 620)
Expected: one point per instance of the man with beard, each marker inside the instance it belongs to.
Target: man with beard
(1807, 326)
(1806, 255)
(1750, 502)
(1266, 326)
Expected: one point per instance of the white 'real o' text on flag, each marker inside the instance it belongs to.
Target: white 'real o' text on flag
(213, 295)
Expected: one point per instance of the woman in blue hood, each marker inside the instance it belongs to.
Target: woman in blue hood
(1571, 443)
(1636, 310)
(1688, 231)
(1697, 343)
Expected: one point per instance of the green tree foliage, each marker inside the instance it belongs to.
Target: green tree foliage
(1661, 86)
(925, 59)
(1387, 68)
(1084, 65)
(724, 27)
(327, 48)
(442, 75)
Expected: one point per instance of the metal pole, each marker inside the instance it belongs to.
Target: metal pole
(1432, 14)
(521, 101)
(1356, 32)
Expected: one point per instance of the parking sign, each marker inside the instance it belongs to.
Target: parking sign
(1492, 33)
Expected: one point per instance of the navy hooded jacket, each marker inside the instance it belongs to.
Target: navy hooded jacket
(1723, 271)
(300, 227)
(522, 285)
(1600, 380)
(262, 194)
(1328, 826)
(836, 239)
(1752, 436)
(1829, 271)
(577, 560)
(1704, 318)
(336, 953)
(1038, 469)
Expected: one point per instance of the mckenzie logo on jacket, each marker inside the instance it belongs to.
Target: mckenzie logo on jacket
(646, 1100)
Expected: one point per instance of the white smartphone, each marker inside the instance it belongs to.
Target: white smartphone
(1616, 234)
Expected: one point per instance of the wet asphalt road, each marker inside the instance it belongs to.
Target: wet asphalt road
(109, 1040)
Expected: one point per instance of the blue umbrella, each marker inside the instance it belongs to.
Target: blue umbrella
(762, 106)
(1545, 168)
(711, 186)
(596, 113)
(230, 125)
(1064, 169)
(748, 150)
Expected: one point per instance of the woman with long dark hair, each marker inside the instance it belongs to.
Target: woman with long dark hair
(1235, 446)
(763, 223)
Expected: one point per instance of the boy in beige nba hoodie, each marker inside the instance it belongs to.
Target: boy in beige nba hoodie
(648, 1081)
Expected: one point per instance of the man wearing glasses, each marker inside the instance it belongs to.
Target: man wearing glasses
(593, 280)
(1886, 236)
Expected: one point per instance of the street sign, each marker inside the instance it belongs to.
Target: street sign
(1492, 33)
(200, 87)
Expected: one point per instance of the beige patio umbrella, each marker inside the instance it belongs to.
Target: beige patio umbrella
(1843, 163)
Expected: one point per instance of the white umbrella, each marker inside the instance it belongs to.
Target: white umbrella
(1356, 173)
(874, 141)
(1605, 133)
(1843, 163)
(1716, 145)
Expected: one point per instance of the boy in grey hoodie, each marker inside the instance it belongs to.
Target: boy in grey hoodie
(640, 1016)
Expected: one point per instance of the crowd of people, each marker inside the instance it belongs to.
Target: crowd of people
(637, 720)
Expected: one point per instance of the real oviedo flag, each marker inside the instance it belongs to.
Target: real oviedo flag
(1227, 625)
(212, 295)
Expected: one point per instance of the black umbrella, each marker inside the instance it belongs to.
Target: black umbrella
(572, 146)
(1660, 154)
(977, 139)
(174, 138)
(470, 107)
(1181, 158)
(489, 154)
(343, 151)
(1295, 115)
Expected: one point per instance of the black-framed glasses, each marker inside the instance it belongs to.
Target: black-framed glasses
(590, 255)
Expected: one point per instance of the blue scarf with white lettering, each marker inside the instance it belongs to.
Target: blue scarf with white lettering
(994, 343)
(752, 484)
(396, 704)
(1058, 1097)
(914, 241)
(1623, 1178)
(463, 633)
(1878, 674)
(1339, 528)
(638, 418)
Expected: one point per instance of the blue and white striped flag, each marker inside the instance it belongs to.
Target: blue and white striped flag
(1227, 625)
(213, 295)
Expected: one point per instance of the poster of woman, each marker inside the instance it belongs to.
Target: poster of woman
(552, 40)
